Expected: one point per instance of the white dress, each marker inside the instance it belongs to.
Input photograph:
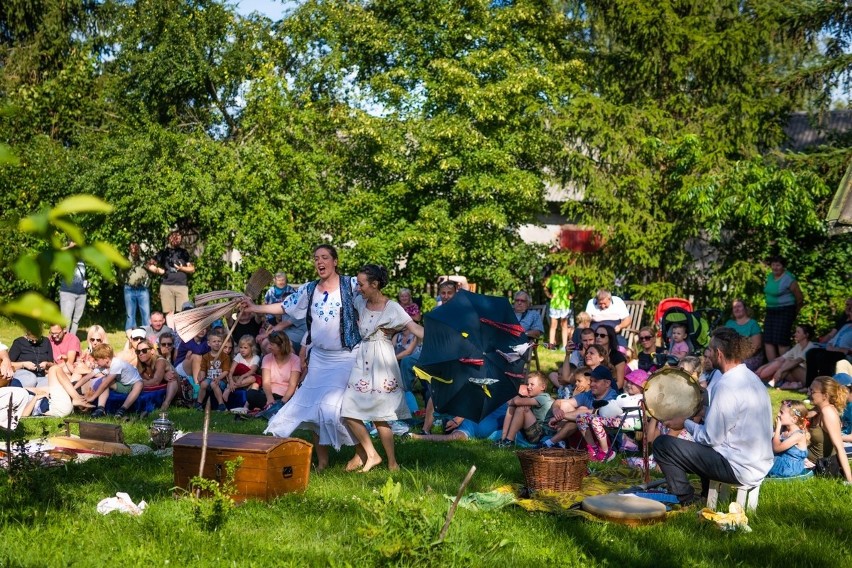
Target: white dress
(316, 404)
(375, 385)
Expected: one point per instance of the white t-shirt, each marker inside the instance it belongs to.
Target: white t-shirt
(125, 372)
(616, 311)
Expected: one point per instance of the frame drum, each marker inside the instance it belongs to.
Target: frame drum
(672, 393)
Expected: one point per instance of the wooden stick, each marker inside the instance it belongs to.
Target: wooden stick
(455, 504)
(204, 444)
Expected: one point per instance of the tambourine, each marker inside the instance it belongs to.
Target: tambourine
(672, 393)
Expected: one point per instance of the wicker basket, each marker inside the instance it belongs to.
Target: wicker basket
(553, 469)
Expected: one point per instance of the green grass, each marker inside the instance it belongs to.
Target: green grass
(340, 519)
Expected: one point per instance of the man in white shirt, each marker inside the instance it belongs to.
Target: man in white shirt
(608, 309)
(734, 444)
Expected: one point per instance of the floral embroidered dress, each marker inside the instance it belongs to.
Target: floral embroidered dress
(375, 387)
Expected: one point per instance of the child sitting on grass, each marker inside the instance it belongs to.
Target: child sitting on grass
(679, 347)
(111, 373)
(214, 367)
(527, 411)
(243, 372)
(790, 440)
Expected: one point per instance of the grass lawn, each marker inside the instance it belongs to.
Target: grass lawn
(49, 517)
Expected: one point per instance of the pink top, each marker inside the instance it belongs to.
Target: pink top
(680, 349)
(280, 373)
(61, 349)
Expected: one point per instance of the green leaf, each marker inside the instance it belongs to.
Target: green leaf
(35, 224)
(64, 262)
(98, 260)
(27, 269)
(80, 204)
(112, 254)
(32, 310)
(74, 232)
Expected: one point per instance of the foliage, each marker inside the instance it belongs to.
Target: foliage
(422, 135)
(211, 513)
(26, 489)
(54, 227)
(396, 530)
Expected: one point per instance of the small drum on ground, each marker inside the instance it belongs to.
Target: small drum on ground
(672, 393)
(625, 509)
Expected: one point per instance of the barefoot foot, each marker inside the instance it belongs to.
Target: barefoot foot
(355, 463)
(371, 463)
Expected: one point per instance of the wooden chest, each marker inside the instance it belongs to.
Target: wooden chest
(271, 466)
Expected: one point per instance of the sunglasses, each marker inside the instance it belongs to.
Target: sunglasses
(601, 335)
(95, 340)
(645, 337)
(143, 351)
(166, 344)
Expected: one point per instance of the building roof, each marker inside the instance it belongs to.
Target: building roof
(804, 130)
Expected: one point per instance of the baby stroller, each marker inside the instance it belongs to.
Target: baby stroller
(699, 324)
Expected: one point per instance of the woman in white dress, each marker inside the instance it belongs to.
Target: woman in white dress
(375, 387)
(328, 306)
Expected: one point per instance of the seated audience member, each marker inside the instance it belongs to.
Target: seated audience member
(409, 305)
(845, 381)
(166, 349)
(85, 364)
(6, 370)
(244, 373)
(459, 428)
(280, 371)
(734, 444)
(111, 373)
(578, 382)
(829, 399)
(276, 294)
(606, 309)
(156, 372)
(788, 370)
(128, 354)
(565, 412)
(606, 338)
(247, 324)
(214, 367)
(529, 319)
(156, 328)
(650, 357)
(824, 361)
(446, 290)
(593, 426)
(66, 348)
(583, 321)
(527, 411)
(742, 323)
(188, 357)
(577, 358)
(790, 441)
(709, 373)
(57, 399)
(31, 356)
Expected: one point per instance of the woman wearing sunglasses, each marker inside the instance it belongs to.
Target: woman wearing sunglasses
(85, 364)
(605, 336)
(649, 360)
(156, 372)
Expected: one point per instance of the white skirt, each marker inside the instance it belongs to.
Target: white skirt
(316, 404)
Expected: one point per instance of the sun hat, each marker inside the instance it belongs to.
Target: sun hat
(637, 377)
(138, 333)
